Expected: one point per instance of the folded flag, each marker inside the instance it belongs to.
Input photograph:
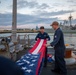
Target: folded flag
(31, 61)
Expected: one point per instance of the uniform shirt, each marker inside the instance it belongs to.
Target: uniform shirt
(42, 36)
(8, 67)
(58, 41)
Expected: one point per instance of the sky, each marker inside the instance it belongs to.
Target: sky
(32, 13)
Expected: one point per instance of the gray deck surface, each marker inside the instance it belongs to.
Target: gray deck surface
(47, 71)
(71, 69)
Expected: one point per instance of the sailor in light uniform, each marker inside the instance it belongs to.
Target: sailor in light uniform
(43, 35)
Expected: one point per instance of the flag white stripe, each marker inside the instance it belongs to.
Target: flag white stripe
(38, 47)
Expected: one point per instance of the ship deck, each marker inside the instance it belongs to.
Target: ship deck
(47, 71)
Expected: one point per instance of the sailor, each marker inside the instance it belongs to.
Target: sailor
(8, 67)
(43, 35)
(59, 47)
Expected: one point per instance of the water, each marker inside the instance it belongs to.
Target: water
(69, 38)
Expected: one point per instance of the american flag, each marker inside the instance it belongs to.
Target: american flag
(31, 61)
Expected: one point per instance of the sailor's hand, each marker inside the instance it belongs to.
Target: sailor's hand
(47, 45)
(47, 39)
(37, 38)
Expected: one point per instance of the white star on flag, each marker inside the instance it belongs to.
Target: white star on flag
(35, 56)
(20, 63)
(33, 60)
(28, 71)
(22, 57)
(26, 61)
(27, 57)
(24, 68)
(31, 65)
(29, 54)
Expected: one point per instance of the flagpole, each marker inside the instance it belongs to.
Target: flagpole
(14, 21)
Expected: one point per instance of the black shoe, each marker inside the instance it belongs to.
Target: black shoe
(63, 73)
(55, 71)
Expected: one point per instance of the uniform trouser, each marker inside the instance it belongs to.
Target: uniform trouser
(45, 60)
(60, 62)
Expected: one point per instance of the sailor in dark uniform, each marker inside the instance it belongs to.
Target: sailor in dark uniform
(43, 35)
(8, 67)
(59, 47)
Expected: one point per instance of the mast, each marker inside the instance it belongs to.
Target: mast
(70, 20)
(14, 21)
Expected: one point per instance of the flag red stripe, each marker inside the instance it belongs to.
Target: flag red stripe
(42, 51)
(35, 46)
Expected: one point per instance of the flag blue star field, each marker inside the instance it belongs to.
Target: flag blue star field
(29, 63)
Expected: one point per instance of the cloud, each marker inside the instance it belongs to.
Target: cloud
(23, 19)
(43, 6)
(33, 19)
(71, 1)
(58, 4)
(6, 19)
(47, 14)
(31, 4)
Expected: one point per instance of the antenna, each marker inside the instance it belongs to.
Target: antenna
(70, 19)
